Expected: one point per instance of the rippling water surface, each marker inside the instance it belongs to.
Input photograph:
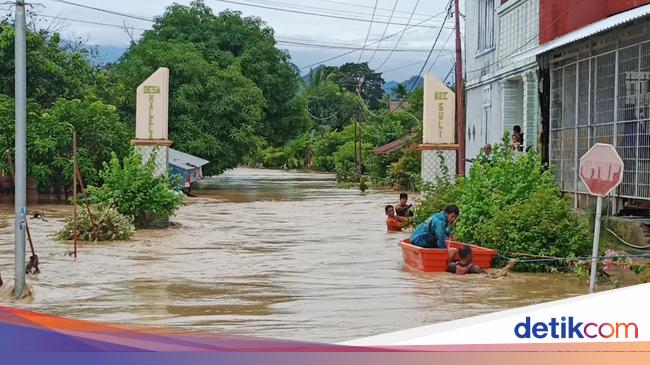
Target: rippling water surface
(263, 253)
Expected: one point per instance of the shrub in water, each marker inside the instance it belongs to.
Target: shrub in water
(135, 191)
(512, 203)
(109, 225)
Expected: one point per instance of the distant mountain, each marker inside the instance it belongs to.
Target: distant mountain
(109, 54)
(99, 54)
(390, 85)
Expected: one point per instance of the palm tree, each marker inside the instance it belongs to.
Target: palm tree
(400, 92)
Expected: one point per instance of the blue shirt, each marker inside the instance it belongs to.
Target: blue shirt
(438, 225)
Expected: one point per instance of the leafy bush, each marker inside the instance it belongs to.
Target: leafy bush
(324, 149)
(437, 197)
(292, 155)
(109, 225)
(346, 171)
(405, 172)
(512, 204)
(135, 191)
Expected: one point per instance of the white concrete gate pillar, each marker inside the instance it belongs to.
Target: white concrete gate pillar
(438, 148)
(152, 118)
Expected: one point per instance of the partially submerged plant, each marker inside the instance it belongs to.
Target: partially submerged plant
(107, 224)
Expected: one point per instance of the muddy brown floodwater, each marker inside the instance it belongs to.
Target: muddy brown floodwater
(263, 253)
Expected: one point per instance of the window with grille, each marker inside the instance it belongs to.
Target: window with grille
(603, 99)
(485, 25)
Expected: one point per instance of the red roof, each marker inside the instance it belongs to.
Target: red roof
(389, 147)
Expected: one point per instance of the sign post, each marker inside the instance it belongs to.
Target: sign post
(601, 170)
(152, 119)
(438, 148)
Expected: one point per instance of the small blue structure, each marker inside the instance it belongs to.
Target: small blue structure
(187, 166)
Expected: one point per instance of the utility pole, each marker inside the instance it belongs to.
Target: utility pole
(460, 95)
(20, 183)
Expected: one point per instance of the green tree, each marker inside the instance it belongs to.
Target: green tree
(320, 75)
(330, 106)
(215, 113)
(227, 39)
(400, 92)
(359, 78)
(100, 133)
(54, 71)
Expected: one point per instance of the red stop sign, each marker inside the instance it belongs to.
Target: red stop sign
(601, 169)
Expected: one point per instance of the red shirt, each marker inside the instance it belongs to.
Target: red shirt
(395, 223)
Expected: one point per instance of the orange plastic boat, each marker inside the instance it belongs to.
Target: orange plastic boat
(436, 259)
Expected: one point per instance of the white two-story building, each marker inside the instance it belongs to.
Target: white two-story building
(501, 86)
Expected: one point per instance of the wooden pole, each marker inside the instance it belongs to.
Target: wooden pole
(460, 95)
(74, 191)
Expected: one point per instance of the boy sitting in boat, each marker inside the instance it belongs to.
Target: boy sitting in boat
(402, 209)
(393, 222)
(464, 265)
(433, 232)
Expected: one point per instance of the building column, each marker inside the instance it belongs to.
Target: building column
(531, 109)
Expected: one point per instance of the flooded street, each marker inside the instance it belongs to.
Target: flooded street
(263, 253)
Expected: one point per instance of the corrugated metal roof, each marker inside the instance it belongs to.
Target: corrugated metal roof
(591, 29)
(184, 160)
(389, 147)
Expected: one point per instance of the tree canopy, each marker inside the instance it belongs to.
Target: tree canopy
(358, 77)
(54, 71)
(215, 113)
(227, 39)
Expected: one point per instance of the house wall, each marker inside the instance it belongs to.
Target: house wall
(501, 86)
(559, 17)
(599, 93)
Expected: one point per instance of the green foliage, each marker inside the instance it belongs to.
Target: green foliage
(107, 225)
(512, 204)
(346, 171)
(227, 39)
(645, 275)
(293, 155)
(54, 71)
(100, 132)
(359, 77)
(405, 172)
(400, 92)
(215, 113)
(329, 106)
(135, 191)
(324, 149)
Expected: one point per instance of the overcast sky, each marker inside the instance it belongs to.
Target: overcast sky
(288, 26)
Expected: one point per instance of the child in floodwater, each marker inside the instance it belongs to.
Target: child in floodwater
(393, 222)
(464, 265)
(402, 209)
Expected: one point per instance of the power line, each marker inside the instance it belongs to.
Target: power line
(449, 73)
(433, 46)
(368, 7)
(401, 35)
(369, 29)
(87, 22)
(421, 25)
(278, 40)
(138, 17)
(440, 52)
(318, 9)
(443, 46)
(385, 30)
(373, 42)
(332, 46)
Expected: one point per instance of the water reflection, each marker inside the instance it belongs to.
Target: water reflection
(265, 253)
